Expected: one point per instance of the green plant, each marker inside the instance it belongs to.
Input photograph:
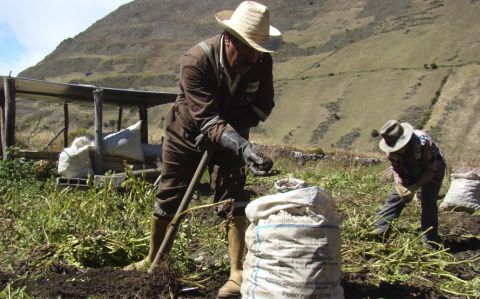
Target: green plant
(319, 151)
(17, 173)
(43, 225)
(12, 293)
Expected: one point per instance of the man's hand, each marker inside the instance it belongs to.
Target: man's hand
(404, 192)
(250, 155)
(267, 163)
(258, 163)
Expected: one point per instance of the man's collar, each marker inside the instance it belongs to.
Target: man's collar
(221, 53)
(231, 83)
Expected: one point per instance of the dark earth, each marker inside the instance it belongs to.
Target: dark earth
(65, 281)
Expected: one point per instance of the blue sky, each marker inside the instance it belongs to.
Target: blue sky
(31, 29)
(10, 47)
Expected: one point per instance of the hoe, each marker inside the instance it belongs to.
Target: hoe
(173, 226)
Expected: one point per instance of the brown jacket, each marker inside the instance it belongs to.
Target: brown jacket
(205, 102)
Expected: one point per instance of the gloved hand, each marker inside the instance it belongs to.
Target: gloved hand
(260, 167)
(251, 156)
(257, 162)
(404, 192)
(267, 164)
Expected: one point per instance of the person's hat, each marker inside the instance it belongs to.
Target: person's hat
(250, 23)
(395, 135)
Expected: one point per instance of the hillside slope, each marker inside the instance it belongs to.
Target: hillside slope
(345, 66)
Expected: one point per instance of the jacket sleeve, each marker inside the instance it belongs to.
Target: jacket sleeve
(434, 163)
(264, 104)
(198, 83)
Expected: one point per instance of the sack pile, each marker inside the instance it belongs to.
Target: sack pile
(74, 161)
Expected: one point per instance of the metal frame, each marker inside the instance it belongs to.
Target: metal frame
(99, 97)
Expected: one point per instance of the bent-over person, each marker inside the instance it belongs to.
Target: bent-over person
(419, 167)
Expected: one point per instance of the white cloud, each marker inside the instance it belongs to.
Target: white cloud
(40, 25)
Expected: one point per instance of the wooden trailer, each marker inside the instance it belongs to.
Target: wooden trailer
(99, 97)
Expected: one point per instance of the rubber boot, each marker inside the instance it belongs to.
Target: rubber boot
(157, 233)
(236, 251)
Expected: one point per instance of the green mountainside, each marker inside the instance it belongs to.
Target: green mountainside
(345, 67)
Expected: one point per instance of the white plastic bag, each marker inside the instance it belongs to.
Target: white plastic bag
(293, 246)
(74, 161)
(464, 193)
(82, 141)
(125, 143)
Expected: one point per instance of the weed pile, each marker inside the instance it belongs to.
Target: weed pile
(45, 229)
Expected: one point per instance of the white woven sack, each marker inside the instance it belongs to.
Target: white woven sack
(293, 246)
(464, 193)
(74, 162)
(125, 143)
(82, 141)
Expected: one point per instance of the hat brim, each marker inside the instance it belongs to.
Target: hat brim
(401, 142)
(270, 45)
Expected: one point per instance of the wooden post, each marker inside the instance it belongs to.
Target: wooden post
(142, 111)
(66, 123)
(8, 132)
(119, 121)
(97, 96)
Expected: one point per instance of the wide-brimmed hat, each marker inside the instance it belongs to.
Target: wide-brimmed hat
(395, 135)
(250, 23)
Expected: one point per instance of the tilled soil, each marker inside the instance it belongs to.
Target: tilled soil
(64, 281)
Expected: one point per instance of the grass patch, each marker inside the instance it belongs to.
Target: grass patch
(101, 227)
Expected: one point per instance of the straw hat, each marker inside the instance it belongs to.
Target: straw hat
(250, 23)
(395, 135)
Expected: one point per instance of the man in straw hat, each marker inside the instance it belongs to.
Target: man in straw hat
(418, 167)
(226, 88)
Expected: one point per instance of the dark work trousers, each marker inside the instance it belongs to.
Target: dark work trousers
(180, 160)
(393, 206)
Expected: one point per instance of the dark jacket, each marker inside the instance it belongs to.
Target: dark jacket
(205, 102)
